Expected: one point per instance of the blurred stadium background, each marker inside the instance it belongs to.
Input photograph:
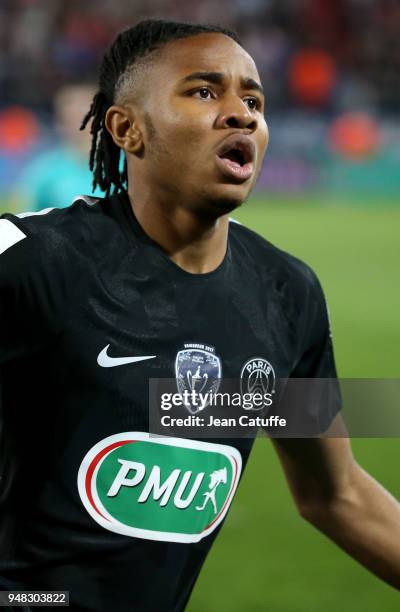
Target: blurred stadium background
(328, 193)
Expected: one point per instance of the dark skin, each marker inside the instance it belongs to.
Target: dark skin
(170, 132)
(170, 129)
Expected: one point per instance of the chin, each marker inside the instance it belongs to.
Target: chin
(224, 200)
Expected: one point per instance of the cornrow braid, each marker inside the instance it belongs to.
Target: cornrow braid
(130, 45)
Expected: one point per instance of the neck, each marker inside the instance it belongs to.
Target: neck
(195, 244)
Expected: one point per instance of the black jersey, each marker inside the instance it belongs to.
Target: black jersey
(90, 310)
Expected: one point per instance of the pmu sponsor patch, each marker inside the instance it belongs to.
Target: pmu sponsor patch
(168, 489)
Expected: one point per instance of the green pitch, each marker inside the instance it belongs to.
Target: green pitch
(267, 558)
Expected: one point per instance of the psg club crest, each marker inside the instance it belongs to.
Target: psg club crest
(257, 376)
(197, 370)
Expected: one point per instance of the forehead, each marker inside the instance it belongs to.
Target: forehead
(205, 52)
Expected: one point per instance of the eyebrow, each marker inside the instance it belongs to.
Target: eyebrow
(218, 78)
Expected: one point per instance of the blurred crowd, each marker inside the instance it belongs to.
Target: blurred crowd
(325, 53)
(330, 68)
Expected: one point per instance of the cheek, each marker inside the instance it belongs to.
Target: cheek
(185, 128)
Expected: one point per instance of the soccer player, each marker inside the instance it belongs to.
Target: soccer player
(154, 281)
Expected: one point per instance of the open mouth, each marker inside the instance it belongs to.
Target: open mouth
(235, 157)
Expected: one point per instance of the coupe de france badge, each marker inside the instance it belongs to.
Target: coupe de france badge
(197, 370)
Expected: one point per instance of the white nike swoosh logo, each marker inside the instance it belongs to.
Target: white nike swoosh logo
(110, 362)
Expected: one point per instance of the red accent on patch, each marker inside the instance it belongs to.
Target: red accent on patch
(92, 467)
(227, 499)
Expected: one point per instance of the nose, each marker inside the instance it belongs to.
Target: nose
(236, 114)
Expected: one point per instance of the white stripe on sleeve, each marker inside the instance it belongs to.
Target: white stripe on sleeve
(10, 234)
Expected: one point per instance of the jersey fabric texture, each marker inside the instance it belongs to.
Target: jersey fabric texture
(74, 281)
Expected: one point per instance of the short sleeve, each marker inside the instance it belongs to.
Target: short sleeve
(310, 398)
(316, 359)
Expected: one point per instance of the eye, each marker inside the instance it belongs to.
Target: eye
(252, 103)
(204, 93)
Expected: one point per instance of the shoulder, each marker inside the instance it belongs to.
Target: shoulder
(81, 226)
(49, 258)
(56, 219)
(273, 263)
(52, 244)
(290, 284)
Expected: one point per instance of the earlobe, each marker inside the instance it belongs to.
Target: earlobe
(121, 123)
(134, 140)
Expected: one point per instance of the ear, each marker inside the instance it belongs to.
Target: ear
(121, 123)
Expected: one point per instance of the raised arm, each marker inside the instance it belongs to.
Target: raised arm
(336, 495)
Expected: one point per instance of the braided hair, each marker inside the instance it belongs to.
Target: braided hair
(130, 45)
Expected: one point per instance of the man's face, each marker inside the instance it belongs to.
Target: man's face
(203, 125)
